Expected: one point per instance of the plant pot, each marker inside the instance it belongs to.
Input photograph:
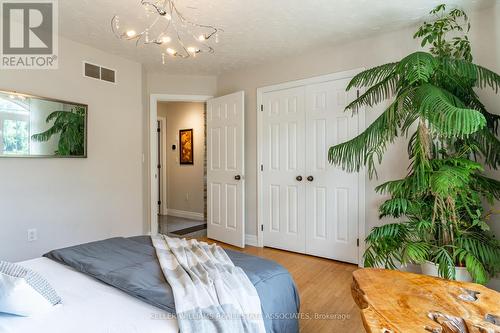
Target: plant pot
(411, 268)
(431, 269)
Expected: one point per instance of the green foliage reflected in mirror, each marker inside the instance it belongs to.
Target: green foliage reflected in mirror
(32, 126)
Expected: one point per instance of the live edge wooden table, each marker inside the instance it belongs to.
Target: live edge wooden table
(400, 302)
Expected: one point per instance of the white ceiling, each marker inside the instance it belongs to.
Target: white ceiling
(255, 31)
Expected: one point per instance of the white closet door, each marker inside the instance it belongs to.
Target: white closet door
(332, 194)
(283, 125)
(225, 169)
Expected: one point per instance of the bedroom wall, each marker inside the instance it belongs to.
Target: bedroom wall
(369, 52)
(71, 201)
(184, 182)
(163, 83)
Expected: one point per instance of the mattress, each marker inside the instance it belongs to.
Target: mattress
(88, 306)
(131, 265)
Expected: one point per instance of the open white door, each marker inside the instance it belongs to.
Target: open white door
(225, 169)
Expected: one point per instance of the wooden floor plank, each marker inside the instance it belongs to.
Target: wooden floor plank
(324, 287)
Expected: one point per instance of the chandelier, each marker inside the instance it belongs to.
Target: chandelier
(167, 27)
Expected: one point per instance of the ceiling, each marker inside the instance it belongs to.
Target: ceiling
(255, 31)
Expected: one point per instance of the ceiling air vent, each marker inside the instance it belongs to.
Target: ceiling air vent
(98, 72)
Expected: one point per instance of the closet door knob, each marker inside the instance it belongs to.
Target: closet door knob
(237, 177)
(310, 178)
(299, 178)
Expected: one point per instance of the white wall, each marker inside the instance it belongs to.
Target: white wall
(162, 83)
(366, 53)
(486, 43)
(72, 201)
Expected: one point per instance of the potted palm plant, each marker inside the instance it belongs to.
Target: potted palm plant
(449, 129)
(70, 125)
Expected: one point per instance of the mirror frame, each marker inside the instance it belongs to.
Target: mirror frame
(10, 92)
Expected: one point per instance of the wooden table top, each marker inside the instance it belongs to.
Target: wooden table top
(399, 302)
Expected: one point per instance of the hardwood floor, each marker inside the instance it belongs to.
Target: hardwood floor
(324, 287)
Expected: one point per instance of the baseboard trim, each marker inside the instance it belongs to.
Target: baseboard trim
(185, 214)
(251, 240)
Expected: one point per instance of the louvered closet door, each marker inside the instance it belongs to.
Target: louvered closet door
(283, 133)
(332, 194)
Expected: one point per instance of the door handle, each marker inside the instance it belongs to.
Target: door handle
(299, 178)
(310, 178)
(237, 177)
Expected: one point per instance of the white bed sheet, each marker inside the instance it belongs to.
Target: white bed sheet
(88, 306)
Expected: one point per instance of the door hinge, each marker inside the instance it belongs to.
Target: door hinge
(158, 130)
(262, 107)
(159, 203)
(159, 166)
(262, 167)
(261, 227)
(357, 242)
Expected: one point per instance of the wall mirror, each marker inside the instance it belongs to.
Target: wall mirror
(32, 126)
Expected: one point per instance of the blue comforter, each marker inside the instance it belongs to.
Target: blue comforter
(130, 264)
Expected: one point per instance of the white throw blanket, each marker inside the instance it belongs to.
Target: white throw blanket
(210, 293)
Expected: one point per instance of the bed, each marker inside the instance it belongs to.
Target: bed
(116, 285)
(88, 306)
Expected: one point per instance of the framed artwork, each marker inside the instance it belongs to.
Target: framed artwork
(186, 146)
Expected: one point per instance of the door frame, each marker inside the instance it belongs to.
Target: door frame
(361, 174)
(164, 170)
(153, 149)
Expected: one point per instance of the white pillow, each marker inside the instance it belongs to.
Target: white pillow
(24, 292)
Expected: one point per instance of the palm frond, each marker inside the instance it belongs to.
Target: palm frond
(448, 178)
(367, 146)
(384, 245)
(447, 113)
(70, 126)
(395, 207)
(63, 115)
(445, 262)
(476, 268)
(481, 76)
(408, 187)
(416, 252)
(391, 230)
(382, 90)
(46, 135)
(417, 67)
(488, 146)
(372, 76)
(489, 187)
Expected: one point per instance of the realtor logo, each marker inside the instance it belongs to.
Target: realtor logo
(29, 34)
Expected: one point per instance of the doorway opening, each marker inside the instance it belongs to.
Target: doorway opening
(174, 205)
(223, 161)
(181, 169)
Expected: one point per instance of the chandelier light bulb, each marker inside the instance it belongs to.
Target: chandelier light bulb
(167, 26)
